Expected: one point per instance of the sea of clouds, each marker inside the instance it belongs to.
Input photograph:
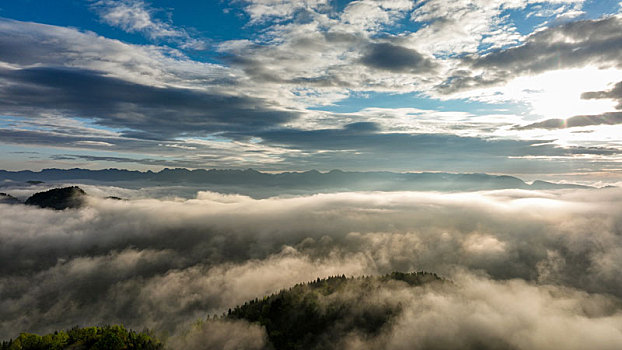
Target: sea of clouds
(529, 269)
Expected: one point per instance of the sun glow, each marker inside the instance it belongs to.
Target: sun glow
(557, 94)
(554, 94)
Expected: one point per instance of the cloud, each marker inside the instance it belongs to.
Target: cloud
(349, 147)
(610, 118)
(157, 99)
(316, 60)
(571, 45)
(226, 335)
(136, 16)
(27, 44)
(371, 16)
(454, 28)
(368, 137)
(323, 56)
(279, 10)
(133, 16)
(568, 45)
(142, 111)
(484, 314)
(165, 263)
(396, 59)
(146, 161)
(615, 93)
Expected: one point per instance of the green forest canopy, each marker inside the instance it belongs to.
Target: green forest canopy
(88, 338)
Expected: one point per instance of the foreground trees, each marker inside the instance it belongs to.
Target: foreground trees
(88, 338)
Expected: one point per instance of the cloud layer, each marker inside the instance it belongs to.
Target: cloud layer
(165, 263)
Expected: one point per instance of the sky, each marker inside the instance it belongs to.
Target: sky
(522, 87)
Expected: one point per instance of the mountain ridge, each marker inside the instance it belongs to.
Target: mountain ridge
(348, 180)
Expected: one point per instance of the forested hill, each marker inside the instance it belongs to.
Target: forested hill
(316, 315)
(308, 180)
(55, 198)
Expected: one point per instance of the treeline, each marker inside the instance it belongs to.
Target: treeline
(88, 338)
(315, 315)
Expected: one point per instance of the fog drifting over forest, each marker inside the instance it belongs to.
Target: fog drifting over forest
(529, 269)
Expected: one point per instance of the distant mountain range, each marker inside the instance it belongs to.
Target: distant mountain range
(308, 180)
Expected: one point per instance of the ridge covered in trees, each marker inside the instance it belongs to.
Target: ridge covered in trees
(58, 198)
(313, 315)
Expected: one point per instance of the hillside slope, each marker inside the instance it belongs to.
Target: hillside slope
(315, 315)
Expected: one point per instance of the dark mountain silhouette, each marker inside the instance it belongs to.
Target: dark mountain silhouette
(8, 199)
(316, 315)
(335, 180)
(34, 182)
(58, 198)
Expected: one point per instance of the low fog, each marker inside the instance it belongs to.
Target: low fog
(528, 269)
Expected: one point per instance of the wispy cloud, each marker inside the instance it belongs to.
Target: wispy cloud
(136, 16)
(264, 10)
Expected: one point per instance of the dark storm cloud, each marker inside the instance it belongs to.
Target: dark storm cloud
(575, 44)
(395, 59)
(148, 111)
